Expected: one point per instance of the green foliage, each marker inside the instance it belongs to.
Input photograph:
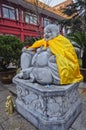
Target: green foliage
(10, 50)
(77, 11)
(74, 7)
(30, 40)
(80, 41)
(80, 62)
(79, 38)
(70, 9)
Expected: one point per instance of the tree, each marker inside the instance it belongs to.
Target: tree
(78, 25)
(79, 19)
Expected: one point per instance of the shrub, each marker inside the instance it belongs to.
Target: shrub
(10, 51)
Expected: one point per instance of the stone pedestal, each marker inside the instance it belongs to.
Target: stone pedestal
(48, 107)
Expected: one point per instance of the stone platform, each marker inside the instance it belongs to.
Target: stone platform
(48, 107)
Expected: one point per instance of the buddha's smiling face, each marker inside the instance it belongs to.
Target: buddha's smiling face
(50, 31)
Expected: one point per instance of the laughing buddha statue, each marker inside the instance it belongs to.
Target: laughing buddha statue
(51, 60)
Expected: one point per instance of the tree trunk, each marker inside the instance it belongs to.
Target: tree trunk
(84, 59)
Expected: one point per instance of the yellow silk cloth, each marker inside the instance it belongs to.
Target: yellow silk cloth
(66, 58)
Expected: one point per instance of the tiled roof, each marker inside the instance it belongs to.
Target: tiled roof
(58, 9)
(44, 7)
(55, 12)
(31, 5)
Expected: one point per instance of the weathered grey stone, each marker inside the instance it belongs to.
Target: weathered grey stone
(48, 107)
(34, 68)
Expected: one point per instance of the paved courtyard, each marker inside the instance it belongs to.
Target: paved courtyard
(17, 122)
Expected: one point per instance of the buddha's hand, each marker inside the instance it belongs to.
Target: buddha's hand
(41, 49)
(29, 50)
(24, 49)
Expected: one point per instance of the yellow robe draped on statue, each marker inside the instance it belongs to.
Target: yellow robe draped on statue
(66, 58)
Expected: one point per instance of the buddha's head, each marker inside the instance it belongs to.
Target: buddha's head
(51, 31)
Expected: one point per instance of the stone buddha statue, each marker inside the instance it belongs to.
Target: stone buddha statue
(51, 60)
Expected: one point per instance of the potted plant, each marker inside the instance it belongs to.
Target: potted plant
(10, 51)
(80, 41)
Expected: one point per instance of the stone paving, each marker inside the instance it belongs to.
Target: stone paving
(17, 122)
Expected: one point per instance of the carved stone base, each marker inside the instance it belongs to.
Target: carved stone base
(48, 107)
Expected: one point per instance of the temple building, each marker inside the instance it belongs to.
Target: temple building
(27, 18)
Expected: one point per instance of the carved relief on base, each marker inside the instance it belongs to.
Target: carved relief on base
(47, 106)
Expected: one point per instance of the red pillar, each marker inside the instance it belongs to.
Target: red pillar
(21, 25)
(22, 36)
